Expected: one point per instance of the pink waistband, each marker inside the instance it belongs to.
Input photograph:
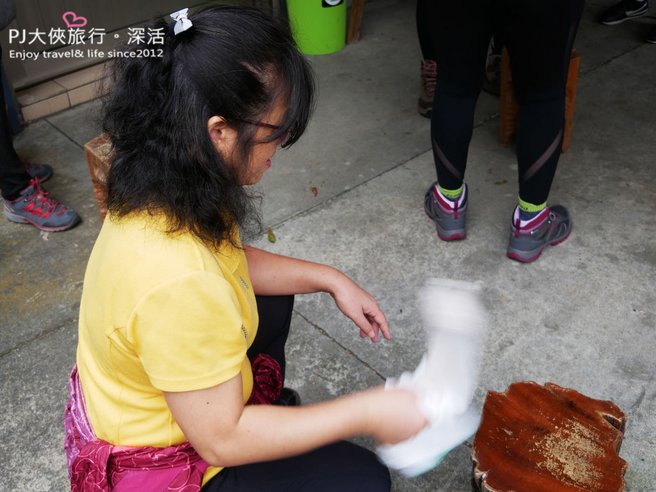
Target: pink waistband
(94, 464)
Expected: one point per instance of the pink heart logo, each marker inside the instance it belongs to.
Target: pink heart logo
(73, 20)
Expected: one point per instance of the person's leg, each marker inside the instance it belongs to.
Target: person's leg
(428, 68)
(462, 32)
(275, 313)
(343, 467)
(13, 176)
(539, 37)
(425, 19)
(24, 200)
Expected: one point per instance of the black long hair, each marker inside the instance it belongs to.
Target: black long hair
(233, 62)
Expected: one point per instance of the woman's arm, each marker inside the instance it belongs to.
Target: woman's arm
(227, 433)
(273, 274)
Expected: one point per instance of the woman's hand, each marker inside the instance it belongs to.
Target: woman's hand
(361, 307)
(273, 274)
(394, 415)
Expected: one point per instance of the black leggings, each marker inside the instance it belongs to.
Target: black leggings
(425, 19)
(13, 176)
(343, 466)
(539, 36)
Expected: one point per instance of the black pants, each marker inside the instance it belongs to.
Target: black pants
(275, 313)
(339, 467)
(343, 466)
(13, 176)
(425, 18)
(539, 36)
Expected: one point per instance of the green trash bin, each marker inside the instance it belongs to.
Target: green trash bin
(319, 26)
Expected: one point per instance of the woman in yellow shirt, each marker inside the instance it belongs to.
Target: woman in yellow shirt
(169, 318)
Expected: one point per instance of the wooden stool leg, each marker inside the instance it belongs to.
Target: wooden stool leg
(355, 20)
(570, 97)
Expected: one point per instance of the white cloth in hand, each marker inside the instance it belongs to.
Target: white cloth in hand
(445, 379)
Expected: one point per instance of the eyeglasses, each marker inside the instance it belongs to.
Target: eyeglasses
(283, 138)
(261, 124)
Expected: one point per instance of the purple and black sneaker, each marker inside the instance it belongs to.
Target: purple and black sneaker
(449, 217)
(549, 228)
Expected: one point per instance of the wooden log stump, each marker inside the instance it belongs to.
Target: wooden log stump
(98, 152)
(535, 438)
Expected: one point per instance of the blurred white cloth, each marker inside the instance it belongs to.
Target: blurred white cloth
(445, 380)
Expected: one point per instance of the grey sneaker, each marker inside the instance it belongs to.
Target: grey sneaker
(289, 398)
(42, 171)
(34, 206)
(428, 83)
(492, 80)
(651, 36)
(551, 227)
(449, 219)
(624, 10)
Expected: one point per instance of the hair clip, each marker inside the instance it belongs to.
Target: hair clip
(182, 22)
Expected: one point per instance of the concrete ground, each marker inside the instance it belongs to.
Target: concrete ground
(582, 316)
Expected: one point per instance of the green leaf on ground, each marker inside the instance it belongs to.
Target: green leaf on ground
(271, 236)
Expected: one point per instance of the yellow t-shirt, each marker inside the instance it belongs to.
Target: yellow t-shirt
(159, 312)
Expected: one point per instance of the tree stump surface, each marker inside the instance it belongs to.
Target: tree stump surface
(535, 438)
(99, 157)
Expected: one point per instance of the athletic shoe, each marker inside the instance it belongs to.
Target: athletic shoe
(625, 10)
(42, 171)
(492, 79)
(34, 206)
(651, 36)
(551, 227)
(428, 83)
(449, 218)
(289, 398)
